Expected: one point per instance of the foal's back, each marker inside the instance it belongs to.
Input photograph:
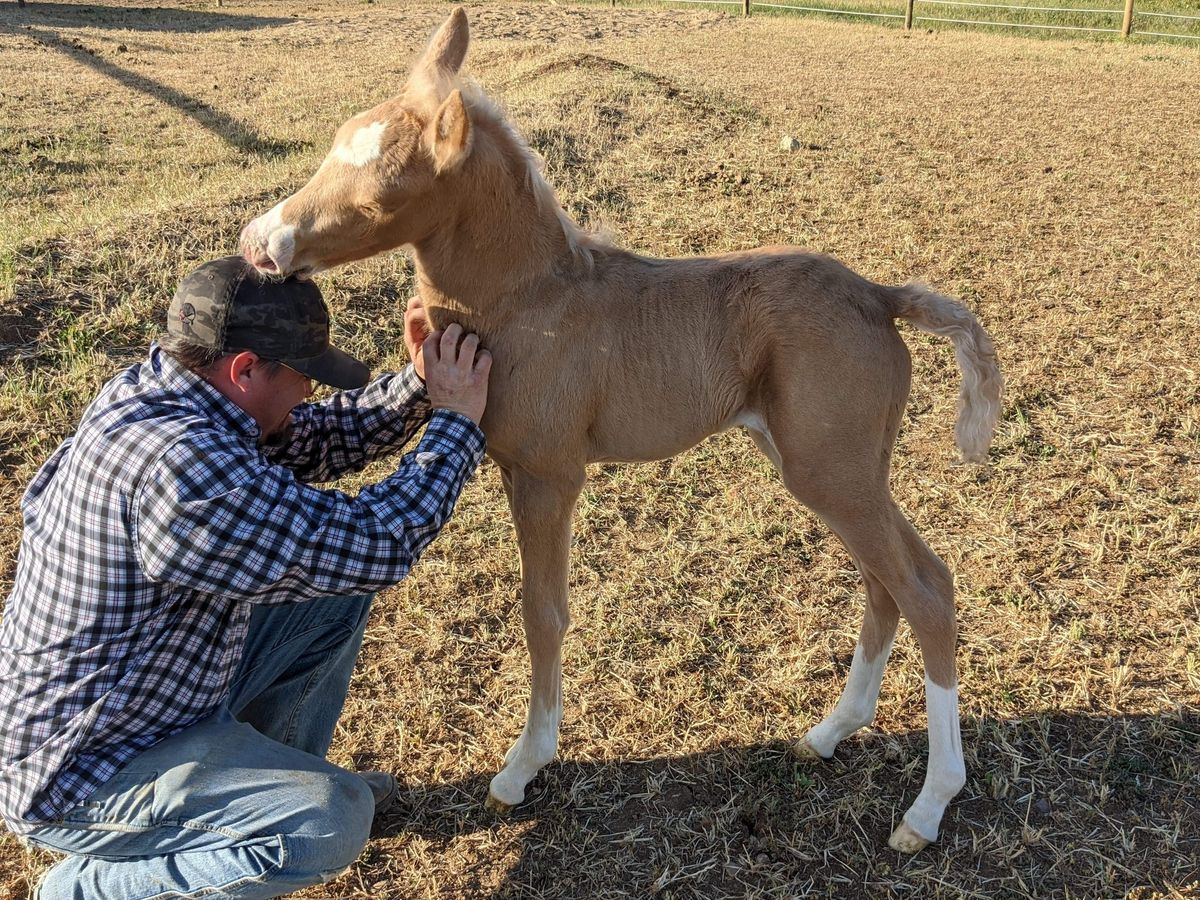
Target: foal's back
(686, 344)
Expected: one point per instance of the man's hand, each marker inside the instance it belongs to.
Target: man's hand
(416, 329)
(456, 374)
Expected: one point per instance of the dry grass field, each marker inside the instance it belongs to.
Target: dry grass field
(1054, 186)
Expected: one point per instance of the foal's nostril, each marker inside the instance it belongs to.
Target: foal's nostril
(259, 258)
(254, 251)
(263, 262)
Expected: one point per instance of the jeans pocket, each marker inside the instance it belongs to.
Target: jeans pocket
(125, 801)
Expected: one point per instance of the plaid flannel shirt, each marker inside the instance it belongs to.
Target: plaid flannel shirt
(151, 533)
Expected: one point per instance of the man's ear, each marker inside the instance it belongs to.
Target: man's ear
(449, 133)
(237, 367)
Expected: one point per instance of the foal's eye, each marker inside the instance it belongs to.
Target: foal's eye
(370, 209)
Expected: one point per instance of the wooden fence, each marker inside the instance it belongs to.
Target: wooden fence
(1127, 23)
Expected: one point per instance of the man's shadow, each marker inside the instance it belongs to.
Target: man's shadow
(1070, 800)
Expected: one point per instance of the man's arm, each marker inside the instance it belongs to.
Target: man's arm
(213, 516)
(326, 441)
(351, 428)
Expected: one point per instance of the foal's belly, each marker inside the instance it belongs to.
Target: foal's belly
(549, 411)
(563, 438)
(648, 441)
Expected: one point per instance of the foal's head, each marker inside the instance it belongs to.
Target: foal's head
(375, 190)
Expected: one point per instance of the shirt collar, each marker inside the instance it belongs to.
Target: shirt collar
(208, 399)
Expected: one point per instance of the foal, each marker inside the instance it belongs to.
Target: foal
(605, 355)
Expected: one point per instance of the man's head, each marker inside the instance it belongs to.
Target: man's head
(259, 341)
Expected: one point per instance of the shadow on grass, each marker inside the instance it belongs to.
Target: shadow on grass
(1055, 805)
(39, 21)
(237, 134)
(134, 18)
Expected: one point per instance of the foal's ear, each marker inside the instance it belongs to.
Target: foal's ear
(450, 133)
(448, 47)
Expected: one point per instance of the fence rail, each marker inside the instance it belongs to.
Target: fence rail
(1065, 9)
(823, 9)
(1125, 30)
(1017, 25)
(910, 15)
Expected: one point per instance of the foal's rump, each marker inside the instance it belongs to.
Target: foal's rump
(811, 324)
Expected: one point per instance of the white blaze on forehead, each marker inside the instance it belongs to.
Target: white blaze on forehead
(363, 146)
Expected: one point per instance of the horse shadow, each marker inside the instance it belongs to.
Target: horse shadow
(1055, 804)
(44, 23)
(136, 18)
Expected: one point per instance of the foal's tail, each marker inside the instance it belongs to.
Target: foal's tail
(979, 399)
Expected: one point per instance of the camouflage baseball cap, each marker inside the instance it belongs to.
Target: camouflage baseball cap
(226, 304)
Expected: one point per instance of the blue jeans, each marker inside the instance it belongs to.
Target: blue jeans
(242, 804)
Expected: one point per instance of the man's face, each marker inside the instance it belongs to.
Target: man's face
(277, 395)
(266, 391)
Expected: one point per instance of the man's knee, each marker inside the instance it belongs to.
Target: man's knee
(323, 824)
(350, 815)
(336, 829)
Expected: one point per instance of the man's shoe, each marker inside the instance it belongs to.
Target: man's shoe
(383, 788)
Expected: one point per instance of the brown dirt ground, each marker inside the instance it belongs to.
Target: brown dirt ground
(1052, 185)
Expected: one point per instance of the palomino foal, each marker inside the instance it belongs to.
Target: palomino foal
(602, 355)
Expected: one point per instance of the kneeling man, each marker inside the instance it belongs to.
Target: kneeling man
(187, 608)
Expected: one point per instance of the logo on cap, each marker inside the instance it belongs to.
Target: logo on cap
(187, 315)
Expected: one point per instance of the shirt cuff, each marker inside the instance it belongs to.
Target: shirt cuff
(452, 432)
(408, 387)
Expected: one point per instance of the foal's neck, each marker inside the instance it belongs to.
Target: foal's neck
(497, 244)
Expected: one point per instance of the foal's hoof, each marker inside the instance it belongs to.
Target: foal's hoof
(906, 840)
(804, 749)
(498, 807)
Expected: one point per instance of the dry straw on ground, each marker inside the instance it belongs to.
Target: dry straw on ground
(1051, 185)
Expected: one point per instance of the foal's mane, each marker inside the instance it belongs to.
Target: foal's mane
(423, 94)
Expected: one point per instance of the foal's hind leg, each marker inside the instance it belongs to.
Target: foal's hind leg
(542, 514)
(923, 589)
(856, 707)
(894, 556)
(848, 490)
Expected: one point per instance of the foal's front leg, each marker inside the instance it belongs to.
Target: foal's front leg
(541, 511)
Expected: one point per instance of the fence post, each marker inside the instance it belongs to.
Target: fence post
(1127, 25)
(908, 10)
(745, 7)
